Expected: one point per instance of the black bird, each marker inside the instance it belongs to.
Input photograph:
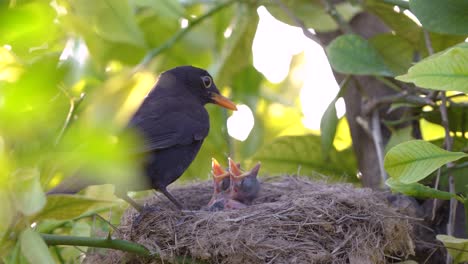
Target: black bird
(173, 123)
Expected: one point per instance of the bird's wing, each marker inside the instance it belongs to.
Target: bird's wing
(164, 131)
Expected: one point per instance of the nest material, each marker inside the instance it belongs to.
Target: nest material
(293, 220)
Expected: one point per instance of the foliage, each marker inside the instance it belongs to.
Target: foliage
(72, 73)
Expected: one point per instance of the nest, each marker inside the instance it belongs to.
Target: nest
(293, 220)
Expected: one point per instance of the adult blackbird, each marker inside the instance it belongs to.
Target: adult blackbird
(244, 186)
(173, 123)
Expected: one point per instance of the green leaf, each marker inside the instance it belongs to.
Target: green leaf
(299, 155)
(34, 248)
(328, 125)
(457, 247)
(351, 54)
(417, 190)
(414, 160)
(112, 20)
(313, 14)
(446, 70)
(27, 25)
(64, 207)
(237, 50)
(6, 212)
(449, 16)
(399, 136)
(396, 52)
(167, 9)
(28, 194)
(401, 24)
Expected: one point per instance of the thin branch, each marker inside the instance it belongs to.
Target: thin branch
(399, 3)
(74, 102)
(331, 10)
(298, 21)
(403, 97)
(55, 240)
(176, 37)
(378, 142)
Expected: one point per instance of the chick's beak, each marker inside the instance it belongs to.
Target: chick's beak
(223, 101)
(233, 168)
(218, 172)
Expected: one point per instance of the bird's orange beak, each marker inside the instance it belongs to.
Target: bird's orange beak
(234, 169)
(218, 172)
(223, 101)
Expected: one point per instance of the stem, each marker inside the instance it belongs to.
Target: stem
(55, 240)
(331, 10)
(176, 37)
(74, 102)
(399, 3)
(378, 142)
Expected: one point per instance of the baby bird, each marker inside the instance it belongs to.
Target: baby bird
(244, 186)
(221, 198)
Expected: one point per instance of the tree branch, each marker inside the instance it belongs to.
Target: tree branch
(55, 240)
(331, 10)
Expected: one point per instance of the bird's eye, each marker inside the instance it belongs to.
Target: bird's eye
(207, 81)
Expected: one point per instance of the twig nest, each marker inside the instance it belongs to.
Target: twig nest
(293, 220)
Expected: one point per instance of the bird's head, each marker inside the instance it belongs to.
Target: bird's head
(220, 177)
(199, 83)
(244, 185)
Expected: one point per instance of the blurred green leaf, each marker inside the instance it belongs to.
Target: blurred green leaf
(112, 20)
(445, 70)
(417, 190)
(457, 247)
(65, 207)
(7, 211)
(166, 9)
(412, 161)
(441, 42)
(313, 14)
(27, 26)
(448, 16)
(401, 24)
(396, 52)
(328, 125)
(34, 248)
(299, 155)
(237, 50)
(27, 191)
(351, 54)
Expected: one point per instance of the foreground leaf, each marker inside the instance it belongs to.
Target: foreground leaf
(448, 16)
(414, 160)
(34, 248)
(63, 207)
(328, 125)
(457, 247)
(28, 193)
(446, 70)
(418, 190)
(351, 54)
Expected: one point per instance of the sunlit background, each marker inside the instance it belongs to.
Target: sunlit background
(274, 45)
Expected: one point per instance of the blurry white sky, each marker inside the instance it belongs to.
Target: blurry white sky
(274, 45)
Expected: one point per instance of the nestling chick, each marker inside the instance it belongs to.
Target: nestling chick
(244, 186)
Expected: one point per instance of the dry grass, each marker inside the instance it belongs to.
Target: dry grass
(293, 220)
